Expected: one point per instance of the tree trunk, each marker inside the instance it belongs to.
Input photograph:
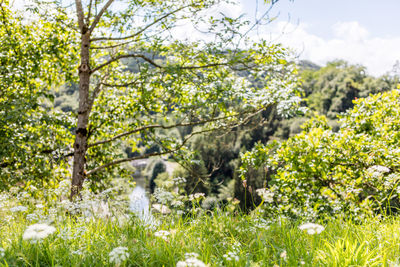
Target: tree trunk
(81, 134)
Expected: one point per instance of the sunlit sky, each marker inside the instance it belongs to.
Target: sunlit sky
(363, 32)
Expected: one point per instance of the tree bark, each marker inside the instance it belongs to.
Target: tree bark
(81, 135)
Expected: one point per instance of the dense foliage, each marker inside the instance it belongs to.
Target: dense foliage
(33, 137)
(320, 172)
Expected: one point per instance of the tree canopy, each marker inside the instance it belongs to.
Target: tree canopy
(138, 80)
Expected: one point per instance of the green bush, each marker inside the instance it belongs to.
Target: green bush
(354, 171)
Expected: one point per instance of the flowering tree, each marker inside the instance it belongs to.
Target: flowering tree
(138, 79)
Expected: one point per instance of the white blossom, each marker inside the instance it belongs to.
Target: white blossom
(196, 196)
(2, 252)
(162, 234)
(38, 231)
(312, 228)
(266, 195)
(191, 261)
(118, 255)
(18, 208)
(163, 196)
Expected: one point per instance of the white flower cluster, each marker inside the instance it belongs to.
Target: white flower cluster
(2, 252)
(68, 233)
(18, 208)
(196, 196)
(266, 195)
(163, 196)
(63, 188)
(32, 217)
(38, 231)
(162, 234)
(191, 260)
(233, 254)
(312, 228)
(118, 255)
(377, 171)
(179, 180)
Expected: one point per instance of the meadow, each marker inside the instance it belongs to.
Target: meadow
(80, 234)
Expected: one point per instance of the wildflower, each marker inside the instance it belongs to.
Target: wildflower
(163, 196)
(118, 255)
(158, 208)
(284, 255)
(162, 234)
(312, 228)
(379, 168)
(179, 180)
(196, 196)
(191, 261)
(231, 256)
(32, 217)
(176, 203)
(38, 231)
(191, 255)
(2, 252)
(266, 195)
(18, 208)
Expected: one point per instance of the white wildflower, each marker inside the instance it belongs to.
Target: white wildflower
(266, 195)
(312, 228)
(38, 231)
(162, 234)
(179, 180)
(191, 261)
(176, 203)
(32, 217)
(196, 196)
(18, 208)
(2, 252)
(77, 252)
(39, 206)
(118, 255)
(63, 188)
(158, 208)
(163, 196)
(231, 256)
(284, 255)
(379, 168)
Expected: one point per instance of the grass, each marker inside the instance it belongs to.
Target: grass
(253, 241)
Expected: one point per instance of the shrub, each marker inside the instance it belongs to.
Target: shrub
(354, 171)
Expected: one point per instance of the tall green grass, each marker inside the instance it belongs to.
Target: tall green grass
(219, 237)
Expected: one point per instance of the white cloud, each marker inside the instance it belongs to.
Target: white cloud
(351, 42)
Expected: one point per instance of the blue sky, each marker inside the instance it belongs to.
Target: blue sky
(363, 32)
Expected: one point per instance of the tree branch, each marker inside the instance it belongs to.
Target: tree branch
(98, 16)
(141, 30)
(159, 126)
(168, 151)
(79, 11)
(126, 56)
